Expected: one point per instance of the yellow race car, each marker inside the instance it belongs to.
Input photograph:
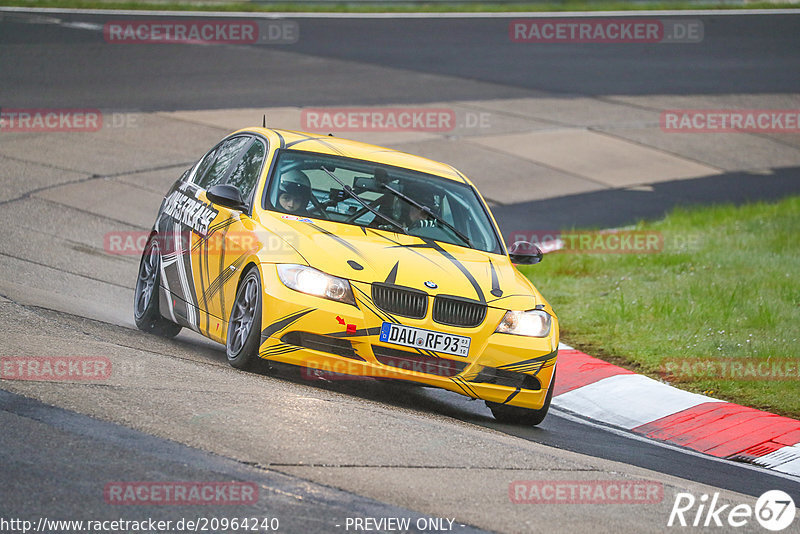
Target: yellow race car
(349, 259)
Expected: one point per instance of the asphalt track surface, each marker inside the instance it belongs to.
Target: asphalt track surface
(55, 451)
(464, 58)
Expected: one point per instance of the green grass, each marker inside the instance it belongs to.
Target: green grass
(394, 6)
(726, 286)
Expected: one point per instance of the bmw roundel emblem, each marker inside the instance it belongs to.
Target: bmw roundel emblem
(430, 285)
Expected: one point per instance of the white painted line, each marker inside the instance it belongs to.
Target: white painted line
(564, 346)
(485, 15)
(628, 401)
(83, 26)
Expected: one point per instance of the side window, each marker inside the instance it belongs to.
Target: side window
(204, 164)
(225, 155)
(245, 174)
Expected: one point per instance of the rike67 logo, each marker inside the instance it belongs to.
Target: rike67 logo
(774, 511)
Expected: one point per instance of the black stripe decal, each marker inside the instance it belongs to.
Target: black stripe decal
(282, 350)
(461, 267)
(279, 349)
(538, 359)
(226, 274)
(380, 314)
(512, 396)
(374, 331)
(468, 386)
(213, 229)
(338, 239)
(392, 278)
(400, 245)
(283, 141)
(461, 387)
(496, 291)
(204, 275)
(222, 269)
(435, 246)
(280, 324)
(202, 249)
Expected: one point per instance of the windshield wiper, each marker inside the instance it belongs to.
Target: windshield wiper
(427, 211)
(349, 190)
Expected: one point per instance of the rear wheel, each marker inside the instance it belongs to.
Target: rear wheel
(244, 327)
(145, 304)
(523, 416)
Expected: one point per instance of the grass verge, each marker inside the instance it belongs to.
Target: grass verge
(716, 311)
(394, 6)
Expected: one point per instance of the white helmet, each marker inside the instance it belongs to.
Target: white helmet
(296, 183)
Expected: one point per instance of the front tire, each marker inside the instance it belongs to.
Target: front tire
(146, 314)
(244, 327)
(516, 415)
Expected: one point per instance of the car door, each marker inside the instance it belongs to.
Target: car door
(187, 226)
(219, 255)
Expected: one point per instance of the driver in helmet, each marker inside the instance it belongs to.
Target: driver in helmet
(415, 217)
(294, 192)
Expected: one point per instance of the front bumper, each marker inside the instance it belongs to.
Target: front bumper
(336, 339)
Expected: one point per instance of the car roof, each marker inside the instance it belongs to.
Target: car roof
(337, 146)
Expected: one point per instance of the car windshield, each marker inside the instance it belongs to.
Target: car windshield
(384, 197)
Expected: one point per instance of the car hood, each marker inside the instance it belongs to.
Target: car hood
(367, 255)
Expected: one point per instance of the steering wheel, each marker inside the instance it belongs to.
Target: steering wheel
(319, 208)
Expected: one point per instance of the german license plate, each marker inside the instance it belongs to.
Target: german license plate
(420, 338)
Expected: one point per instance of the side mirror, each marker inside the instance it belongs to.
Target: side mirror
(524, 253)
(227, 196)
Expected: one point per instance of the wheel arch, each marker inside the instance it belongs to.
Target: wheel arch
(246, 268)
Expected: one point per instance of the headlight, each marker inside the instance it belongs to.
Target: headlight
(313, 282)
(533, 323)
